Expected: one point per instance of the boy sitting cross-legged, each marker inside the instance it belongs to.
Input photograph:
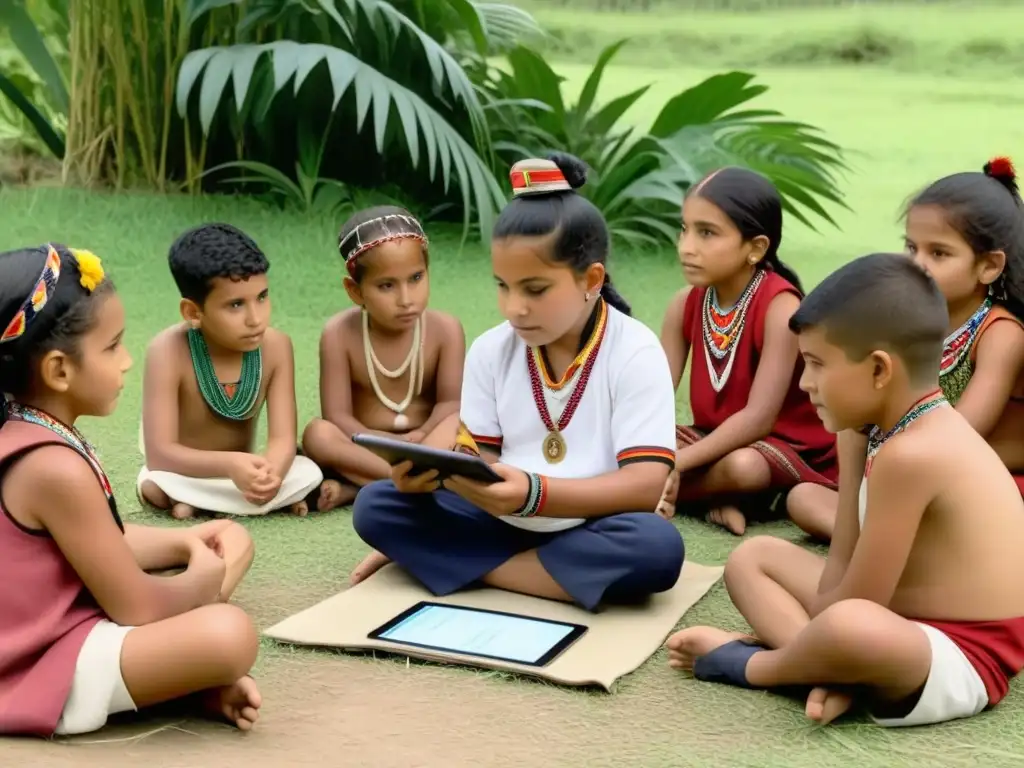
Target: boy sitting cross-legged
(206, 381)
(918, 609)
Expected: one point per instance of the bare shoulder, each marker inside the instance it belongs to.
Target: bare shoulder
(169, 341)
(785, 303)
(450, 327)
(342, 326)
(920, 455)
(61, 470)
(277, 345)
(678, 300)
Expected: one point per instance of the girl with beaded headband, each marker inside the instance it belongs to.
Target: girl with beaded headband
(389, 364)
(86, 630)
(967, 231)
(571, 402)
(754, 433)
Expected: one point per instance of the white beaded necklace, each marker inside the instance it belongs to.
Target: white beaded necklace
(412, 363)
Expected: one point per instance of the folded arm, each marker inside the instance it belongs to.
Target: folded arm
(336, 380)
(281, 410)
(901, 488)
(450, 365)
(76, 514)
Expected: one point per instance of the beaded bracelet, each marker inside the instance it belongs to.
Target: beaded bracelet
(536, 496)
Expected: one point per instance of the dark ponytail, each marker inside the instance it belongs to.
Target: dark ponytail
(754, 205)
(986, 210)
(610, 294)
(546, 203)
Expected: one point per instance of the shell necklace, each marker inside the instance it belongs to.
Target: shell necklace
(413, 363)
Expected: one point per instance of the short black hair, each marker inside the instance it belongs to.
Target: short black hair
(69, 312)
(210, 251)
(881, 301)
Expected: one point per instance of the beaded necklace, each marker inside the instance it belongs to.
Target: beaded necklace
(240, 404)
(723, 329)
(554, 447)
(876, 438)
(413, 363)
(956, 367)
(73, 437)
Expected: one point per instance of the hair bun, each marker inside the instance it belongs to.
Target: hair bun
(574, 169)
(1001, 169)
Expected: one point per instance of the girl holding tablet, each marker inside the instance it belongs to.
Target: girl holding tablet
(571, 401)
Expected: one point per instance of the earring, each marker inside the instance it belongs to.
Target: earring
(752, 260)
(586, 296)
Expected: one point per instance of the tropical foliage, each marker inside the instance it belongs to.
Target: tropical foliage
(427, 102)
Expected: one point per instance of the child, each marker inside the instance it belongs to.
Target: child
(571, 401)
(388, 366)
(917, 606)
(753, 430)
(967, 231)
(206, 381)
(86, 632)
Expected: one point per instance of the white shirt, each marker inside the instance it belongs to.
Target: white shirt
(627, 412)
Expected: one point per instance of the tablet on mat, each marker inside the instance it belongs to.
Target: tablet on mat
(424, 458)
(507, 637)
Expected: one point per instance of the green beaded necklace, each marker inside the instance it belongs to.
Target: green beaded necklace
(239, 405)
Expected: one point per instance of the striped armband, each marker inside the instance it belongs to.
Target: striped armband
(646, 453)
(536, 496)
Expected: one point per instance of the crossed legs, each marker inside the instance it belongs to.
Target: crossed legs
(851, 646)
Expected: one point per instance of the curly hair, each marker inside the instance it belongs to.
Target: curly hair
(210, 251)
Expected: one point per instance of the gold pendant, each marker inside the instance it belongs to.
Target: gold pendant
(554, 447)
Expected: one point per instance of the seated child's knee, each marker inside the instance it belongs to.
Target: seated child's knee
(751, 555)
(230, 641)
(856, 625)
(747, 470)
(315, 433)
(370, 502)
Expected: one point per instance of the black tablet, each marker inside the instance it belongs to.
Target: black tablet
(423, 458)
(482, 633)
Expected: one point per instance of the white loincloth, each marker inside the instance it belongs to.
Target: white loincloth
(217, 494)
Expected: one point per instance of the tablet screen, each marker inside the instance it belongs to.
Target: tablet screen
(475, 632)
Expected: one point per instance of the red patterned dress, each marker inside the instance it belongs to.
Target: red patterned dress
(726, 348)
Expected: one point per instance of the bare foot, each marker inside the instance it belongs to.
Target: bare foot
(238, 703)
(299, 508)
(372, 563)
(729, 518)
(824, 705)
(688, 645)
(333, 495)
(182, 511)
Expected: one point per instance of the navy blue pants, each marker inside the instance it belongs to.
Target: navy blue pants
(447, 543)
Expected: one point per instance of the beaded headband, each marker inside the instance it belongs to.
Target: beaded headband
(90, 275)
(383, 229)
(537, 177)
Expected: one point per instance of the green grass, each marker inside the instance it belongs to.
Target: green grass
(904, 130)
(946, 38)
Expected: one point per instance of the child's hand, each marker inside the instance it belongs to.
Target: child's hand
(667, 506)
(209, 533)
(420, 483)
(416, 436)
(250, 473)
(498, 499)
(265, 489)
(208, 568)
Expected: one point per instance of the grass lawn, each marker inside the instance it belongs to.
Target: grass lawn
(904, 129)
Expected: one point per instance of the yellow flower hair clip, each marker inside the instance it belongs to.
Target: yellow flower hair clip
(89, 267)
